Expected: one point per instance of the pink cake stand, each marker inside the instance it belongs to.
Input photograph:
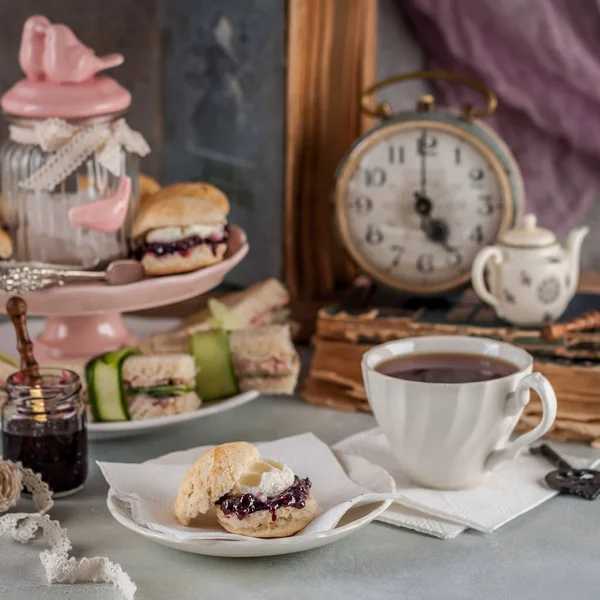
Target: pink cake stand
(86, 319)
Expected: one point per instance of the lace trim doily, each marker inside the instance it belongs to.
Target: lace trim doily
(22, 527)
(71, 145)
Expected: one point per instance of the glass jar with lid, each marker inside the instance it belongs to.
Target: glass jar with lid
(69, 172)
(44, 427)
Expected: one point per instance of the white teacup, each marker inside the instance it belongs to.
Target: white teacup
(449, 435)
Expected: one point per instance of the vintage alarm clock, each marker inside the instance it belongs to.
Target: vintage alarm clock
(419, 195)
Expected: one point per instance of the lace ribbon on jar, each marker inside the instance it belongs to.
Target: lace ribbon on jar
(70, 146)
(22, 527)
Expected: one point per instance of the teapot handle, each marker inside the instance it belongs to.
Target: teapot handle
(478, 270)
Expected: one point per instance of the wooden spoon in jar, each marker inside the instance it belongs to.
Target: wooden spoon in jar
(16, 308)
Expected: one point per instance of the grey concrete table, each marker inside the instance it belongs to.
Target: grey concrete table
(551, 553)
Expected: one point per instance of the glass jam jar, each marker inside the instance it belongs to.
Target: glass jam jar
(44, 428)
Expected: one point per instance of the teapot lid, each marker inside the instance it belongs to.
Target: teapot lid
(529, 235)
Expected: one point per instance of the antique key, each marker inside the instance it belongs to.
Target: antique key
(584, 483)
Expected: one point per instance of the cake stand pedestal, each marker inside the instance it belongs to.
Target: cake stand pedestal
(84, 320)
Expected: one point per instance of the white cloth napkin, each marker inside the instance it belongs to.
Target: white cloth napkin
(513, 489)
(151, 488)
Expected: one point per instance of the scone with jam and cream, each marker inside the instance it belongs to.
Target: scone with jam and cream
(181, 228)
(250, 496)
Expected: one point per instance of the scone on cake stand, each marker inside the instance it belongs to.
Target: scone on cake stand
(85, 320)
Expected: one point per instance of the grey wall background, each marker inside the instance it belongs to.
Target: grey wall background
(208, 85)
(224, 94)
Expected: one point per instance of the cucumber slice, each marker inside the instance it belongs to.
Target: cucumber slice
(9, 360)
(226, 319)
(106, 394)
(215, 378)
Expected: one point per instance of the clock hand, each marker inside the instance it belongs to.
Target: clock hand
(438, 232)
(423, 204)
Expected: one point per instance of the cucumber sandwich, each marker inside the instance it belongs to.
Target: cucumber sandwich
(106, 393)
(124, 385)
(260, 358)
(159, 385)
(264, 359)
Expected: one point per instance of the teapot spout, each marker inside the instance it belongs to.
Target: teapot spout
(573, 250)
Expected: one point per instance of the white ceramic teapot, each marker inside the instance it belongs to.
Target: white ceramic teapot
(532, 277)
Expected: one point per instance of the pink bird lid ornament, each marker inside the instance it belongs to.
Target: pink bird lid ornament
(63, 76)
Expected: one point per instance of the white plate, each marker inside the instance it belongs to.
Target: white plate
(110, 431)
(359, 469)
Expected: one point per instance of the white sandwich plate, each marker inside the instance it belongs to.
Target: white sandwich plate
(119, 429)
(358, 469)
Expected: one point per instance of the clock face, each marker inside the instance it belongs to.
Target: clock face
(416, 201)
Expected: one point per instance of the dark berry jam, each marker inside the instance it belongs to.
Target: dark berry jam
(241, 506)
(182, 247)
(56, 449)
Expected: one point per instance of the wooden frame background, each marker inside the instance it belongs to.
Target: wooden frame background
(332, 58)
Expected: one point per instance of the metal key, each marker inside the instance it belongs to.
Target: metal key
(584, 483)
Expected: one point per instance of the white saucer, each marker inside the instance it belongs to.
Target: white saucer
(359, 469)
(110, 431)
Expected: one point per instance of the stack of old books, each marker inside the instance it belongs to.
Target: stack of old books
(572, 364)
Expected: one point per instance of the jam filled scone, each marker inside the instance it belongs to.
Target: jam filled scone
(250, 496)
(181, 228)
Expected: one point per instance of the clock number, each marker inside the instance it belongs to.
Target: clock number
(399, 251)
(375, 177)
(457, 156)
(362, 205)
(426, 146)
(486, 207)
(477, 234)
(373, 236)
(476, 176)
(455, 259)
(425, 263)
(396, 154)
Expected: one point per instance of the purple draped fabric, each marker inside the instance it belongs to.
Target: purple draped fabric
(542, 58)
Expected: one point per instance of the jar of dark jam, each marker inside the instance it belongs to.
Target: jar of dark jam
(43, 426)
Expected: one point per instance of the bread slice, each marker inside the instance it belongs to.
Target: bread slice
(145, 371)
(144, 406)
(171, 264)
(179, 205)
(263, 341)
(212, 476)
